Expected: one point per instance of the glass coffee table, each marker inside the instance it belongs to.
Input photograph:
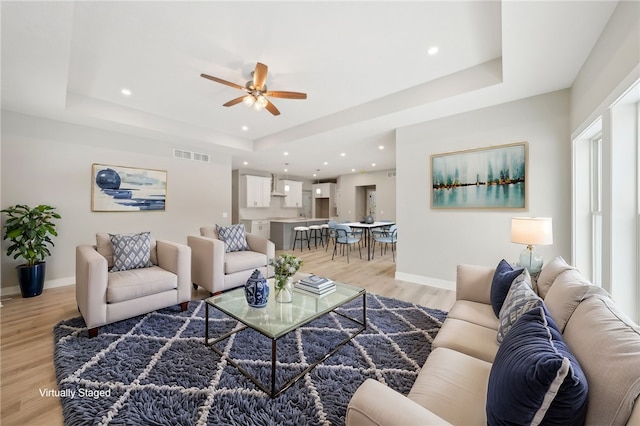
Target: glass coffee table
(271, 323)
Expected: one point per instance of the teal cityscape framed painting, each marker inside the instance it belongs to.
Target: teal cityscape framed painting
(125, 189)
(484, 178)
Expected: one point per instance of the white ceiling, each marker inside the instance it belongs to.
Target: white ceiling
(363, 64)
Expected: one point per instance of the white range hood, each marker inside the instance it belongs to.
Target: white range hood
(274, 186)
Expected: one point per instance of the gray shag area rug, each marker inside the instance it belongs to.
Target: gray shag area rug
(156, 370)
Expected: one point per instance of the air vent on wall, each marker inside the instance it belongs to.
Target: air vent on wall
(391, 175)
(188, 155)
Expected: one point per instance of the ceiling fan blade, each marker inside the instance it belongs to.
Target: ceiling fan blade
(221, 81)
(272, 108)
(235, 101)
(259, 76)
(287, 95)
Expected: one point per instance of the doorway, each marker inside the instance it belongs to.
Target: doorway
(365, 201)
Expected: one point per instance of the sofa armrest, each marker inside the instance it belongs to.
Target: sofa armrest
(473, 283)
(263, 245)
(91, 285)
(207, 261)
(377, 404)
(176, 258)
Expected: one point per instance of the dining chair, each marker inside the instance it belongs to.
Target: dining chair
(344, 237)
(390, 238)
(378, 232)
(355, 232)
(331, 233)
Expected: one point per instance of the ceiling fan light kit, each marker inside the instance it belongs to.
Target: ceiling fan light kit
(257, 92)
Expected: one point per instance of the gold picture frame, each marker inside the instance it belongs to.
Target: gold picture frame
(482, 178)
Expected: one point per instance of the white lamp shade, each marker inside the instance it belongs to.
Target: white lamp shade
(532, 230)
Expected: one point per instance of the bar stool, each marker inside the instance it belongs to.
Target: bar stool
(324, 233)
(315, 232)
(303, 233)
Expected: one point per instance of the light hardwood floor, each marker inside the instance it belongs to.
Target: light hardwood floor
(26, 341)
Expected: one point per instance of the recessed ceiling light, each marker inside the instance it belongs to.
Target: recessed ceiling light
(245, 128)
(353, 170)
(126, 92)
(343, 155)
(432, 50)
(373, 164)
(315, 174)
(286, 153)
(381, 147)
(286, 170)
(245, 163)
(326, 163)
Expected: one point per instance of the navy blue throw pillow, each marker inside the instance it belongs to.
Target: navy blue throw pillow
(535, 379)
(502, 279)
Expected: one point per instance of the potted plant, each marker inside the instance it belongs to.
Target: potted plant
(29, 230)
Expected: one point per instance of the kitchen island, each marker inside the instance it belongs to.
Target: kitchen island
(282, 233)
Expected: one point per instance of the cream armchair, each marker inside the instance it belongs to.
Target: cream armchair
(216, 270)
(105, 297)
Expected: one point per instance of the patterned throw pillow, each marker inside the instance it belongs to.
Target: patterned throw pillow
(520, 299)
(234, 237)
(131, 251)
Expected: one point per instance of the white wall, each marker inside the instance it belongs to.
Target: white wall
(614, 56)
(49, 162)
(612, 67)
(433, 242)
(348, 197)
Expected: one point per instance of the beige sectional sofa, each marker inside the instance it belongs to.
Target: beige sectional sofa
(452, 387)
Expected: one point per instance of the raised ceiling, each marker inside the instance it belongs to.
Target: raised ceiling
(364, 66)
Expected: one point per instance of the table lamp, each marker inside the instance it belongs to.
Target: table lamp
(531, 231)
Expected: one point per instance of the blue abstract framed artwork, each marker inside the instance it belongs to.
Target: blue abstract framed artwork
(124, 189)
(483, 178)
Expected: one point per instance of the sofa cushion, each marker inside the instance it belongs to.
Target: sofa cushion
(243, 261)
(535, 378)
(136, 283)
(568, 290)
(520, 299)
(474, 312)
(234, 237)
(607, 344)
(502, 279)
(453, 386)
(468, 338)
(209, 231)
(549, 273)
(131, 251)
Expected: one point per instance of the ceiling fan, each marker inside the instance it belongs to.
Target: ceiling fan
(257, 91)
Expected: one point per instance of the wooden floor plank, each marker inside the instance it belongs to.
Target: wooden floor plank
(26, 337)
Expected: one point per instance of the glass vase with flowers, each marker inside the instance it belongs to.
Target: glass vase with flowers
(285, 267)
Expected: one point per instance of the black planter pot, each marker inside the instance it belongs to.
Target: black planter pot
(31, 279)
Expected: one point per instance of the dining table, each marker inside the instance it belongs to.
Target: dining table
(367, 227)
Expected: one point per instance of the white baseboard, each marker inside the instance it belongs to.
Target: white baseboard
(60, 282)
(420, 279)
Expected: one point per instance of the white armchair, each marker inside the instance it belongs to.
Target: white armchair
(104, 297)
(215, 270)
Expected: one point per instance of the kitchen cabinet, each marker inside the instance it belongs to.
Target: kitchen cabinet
(257, 191)
(293, 191)
(258, 227)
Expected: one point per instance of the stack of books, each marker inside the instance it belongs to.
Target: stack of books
(316, 285)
